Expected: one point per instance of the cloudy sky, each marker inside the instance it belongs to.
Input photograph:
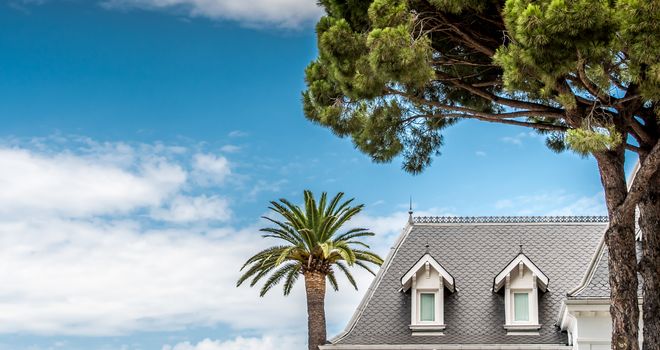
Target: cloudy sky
(140, 142)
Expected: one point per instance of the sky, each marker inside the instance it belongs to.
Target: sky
(141, 142)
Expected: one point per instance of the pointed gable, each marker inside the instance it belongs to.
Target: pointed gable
(518, 263)
(426, 263)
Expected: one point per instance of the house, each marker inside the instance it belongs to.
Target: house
(526, 283)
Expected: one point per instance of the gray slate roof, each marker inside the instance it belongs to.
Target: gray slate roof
(597, 285)
(474, 250)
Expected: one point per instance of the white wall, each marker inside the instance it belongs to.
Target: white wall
(593, 332)
(433, 282)
(591, 327)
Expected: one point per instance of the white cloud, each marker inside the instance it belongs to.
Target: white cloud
(191, 209)
(262, 186)
(553, 204)
(230, 148)
(72, 277)
(238, 133)
(519, 138)
(282, 13)
(240, 343)
(210, 169)
(80, 185)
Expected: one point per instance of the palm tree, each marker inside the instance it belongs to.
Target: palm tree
(312, 246)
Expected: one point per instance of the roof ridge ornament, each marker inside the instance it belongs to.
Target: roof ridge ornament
(504, 219)
(410, 213)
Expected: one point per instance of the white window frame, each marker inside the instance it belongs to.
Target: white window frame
(512, 326)
(529, 306)
(437, 305)
(418, 326)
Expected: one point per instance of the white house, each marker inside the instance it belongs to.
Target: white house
(473, 283)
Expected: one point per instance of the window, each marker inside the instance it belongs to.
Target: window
(427, 281)
(427, 307)
(521, 281)
(521, 306)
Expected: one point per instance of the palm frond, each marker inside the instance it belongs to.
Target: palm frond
(362, 244)
(353, 233)
(276, 277)
(364, 266)
(332, 280)
(368, 256)
(348, 274)
(333, 204)
(263, 255)
(291, 279)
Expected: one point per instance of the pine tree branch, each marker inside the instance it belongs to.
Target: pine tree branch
(454, 61)
(468, 39)
(556, 112)
(488, 83)
(495, 118)
(589, 85)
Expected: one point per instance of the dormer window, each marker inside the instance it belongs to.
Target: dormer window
(427, 280)
(521, 280)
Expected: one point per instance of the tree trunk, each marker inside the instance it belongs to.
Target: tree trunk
(649, 265)
(315, 289)
(620, 240)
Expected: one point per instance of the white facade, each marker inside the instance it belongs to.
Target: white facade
(588, 324)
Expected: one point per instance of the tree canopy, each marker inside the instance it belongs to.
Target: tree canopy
(311, 241)
(392, 74)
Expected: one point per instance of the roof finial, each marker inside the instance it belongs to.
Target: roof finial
(410, 212)
(520, 245)
(427, 247)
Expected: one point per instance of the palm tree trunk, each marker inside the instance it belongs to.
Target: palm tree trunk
(649, 265)
(620, 240)
(315, 289)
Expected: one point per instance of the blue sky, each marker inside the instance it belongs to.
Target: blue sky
(140, 142)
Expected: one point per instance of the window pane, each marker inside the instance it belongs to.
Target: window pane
(427, 307)
(521, 306)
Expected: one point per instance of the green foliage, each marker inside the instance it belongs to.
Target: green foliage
(556, 142)
(589, 140)
(353, 11)
(388, 13)
(396, 56)
(458, 6)
(640, 30)
(379, 134)
(548, 38)
(387, 71)
(312, 241)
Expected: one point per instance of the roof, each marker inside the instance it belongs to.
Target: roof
(521, 258)
(475, 249)
(595, 283)
(427, 258)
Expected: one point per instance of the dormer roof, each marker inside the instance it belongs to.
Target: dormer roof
(427, 262)
(518, 262)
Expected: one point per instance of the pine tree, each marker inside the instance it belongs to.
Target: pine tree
(393, 74)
